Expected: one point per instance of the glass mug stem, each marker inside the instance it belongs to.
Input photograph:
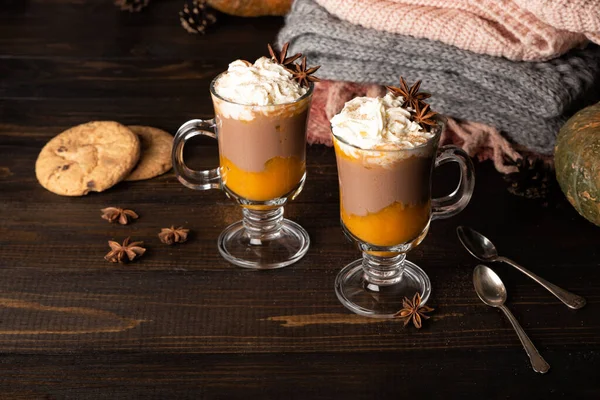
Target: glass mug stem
(262, 225)
(382, 270)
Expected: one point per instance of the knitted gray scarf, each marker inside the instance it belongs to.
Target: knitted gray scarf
(527, 101)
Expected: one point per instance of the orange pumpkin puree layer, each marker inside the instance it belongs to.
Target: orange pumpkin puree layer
(395, 224)
(280, 176)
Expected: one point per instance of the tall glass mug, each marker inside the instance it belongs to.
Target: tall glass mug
(386, 208)
(262, 152)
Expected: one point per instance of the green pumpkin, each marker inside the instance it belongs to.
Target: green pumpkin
(577, 162)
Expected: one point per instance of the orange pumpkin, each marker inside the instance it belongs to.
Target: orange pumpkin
(251, 8)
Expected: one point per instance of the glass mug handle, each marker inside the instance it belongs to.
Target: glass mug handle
(198, 180)
(455, 202)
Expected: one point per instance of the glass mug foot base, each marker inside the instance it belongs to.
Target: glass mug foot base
(363, 298)
(288, 246)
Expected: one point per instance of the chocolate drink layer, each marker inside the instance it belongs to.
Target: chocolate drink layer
(368, 188)
(261, 135)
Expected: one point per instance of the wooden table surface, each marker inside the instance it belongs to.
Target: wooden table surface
(183, 323)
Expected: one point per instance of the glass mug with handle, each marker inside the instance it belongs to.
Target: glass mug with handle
(262, 153)
(386, 208)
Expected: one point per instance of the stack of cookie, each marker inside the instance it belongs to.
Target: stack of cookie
(95, 156)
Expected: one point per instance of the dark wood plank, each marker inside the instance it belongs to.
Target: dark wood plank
(417, 373)
(181, 322)
(97, 29)
(293, 310)
(125, 79)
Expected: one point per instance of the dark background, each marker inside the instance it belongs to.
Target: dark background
(181, 322)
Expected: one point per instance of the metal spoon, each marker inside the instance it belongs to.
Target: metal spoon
(481, 248)
(492, 292)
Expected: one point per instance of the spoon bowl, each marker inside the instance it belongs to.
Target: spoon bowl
(478, 245)
(488, 286)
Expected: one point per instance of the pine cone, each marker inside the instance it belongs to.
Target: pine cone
(533, 180)
(131, 5)
(196, 17)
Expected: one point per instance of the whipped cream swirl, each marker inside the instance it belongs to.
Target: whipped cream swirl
(378, 123)
(263, 83)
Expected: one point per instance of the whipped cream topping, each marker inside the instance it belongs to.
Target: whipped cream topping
(263, 83)
(378, 123)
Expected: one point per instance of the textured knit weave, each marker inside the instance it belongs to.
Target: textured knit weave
(478, 140)
(494, 27)
(570, 15)
(527, 101)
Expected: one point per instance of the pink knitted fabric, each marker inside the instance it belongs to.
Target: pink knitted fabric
(570, 15)
(494, 27)
(478, 140)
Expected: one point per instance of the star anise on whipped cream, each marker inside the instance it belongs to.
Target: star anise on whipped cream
(173, 235)
(116, 214)
(424, 116)
(412, 310)
(303, 75)
(127, 251)
(281, 57)
(412, 97)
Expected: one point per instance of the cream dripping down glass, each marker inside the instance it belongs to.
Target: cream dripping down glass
(260, 121)
(385, 161)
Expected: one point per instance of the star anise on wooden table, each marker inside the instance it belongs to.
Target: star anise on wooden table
(116, 214)
(281, 57)
(412, 310)
(127, 251)
(173, 235)
(412, 97)
(424, 116)
(303, 75)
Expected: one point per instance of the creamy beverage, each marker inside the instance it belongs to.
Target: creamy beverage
(386, 149)
(261, 113)
(261, 116)
(384, 161)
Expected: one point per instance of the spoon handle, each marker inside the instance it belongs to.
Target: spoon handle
(537, 361)
(570, 299)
